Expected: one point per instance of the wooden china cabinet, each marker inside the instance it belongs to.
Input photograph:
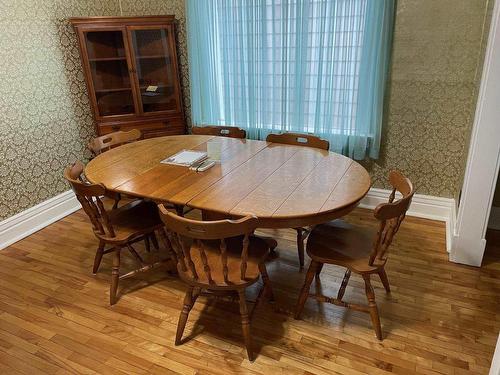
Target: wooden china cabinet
(132, 75)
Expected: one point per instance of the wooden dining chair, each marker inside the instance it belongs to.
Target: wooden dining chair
(298, 139)
(218, 257)
(223, 131)
(307, 140)
(354, 248)
(119, 228)
(108, 141)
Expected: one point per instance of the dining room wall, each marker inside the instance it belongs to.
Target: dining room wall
(46, 121)
(45, 118)
(438, 53)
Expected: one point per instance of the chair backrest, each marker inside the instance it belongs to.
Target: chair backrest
(186, 235)
(108, 141)
(89, 197)
(391, 214)
(223, 131)
(298, 139)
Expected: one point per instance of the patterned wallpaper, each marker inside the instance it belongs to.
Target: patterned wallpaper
(437, 54)
(45, 118)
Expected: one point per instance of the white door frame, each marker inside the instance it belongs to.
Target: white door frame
(495, 362)
(483, 160)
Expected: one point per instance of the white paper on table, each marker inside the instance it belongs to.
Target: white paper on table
(186, 158)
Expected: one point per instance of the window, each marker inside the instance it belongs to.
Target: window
(287, 65)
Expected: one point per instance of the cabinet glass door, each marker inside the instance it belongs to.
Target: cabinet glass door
(110, 72)
(154, 68)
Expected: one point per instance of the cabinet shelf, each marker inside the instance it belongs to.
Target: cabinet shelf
(117, 89)
(154, 57)
(160, 85)
(93, 59)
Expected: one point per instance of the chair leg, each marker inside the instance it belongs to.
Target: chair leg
(117, 200)
(136, 255)
(272, 244)
(384, 279)
(147, 243)
(320, 268)
(245, 324)
(154, 240)
(343, 286)
(372, 305)
(304, 293)
(115, 276)
(170, 251)
(300, 247)
(268, 290)
(98, 256)
(258, 301)
(188, 305)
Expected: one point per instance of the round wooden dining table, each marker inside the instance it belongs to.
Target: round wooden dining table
(284, 186)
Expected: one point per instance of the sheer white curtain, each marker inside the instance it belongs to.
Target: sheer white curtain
(314, 66)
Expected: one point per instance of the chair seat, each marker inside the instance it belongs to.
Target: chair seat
(258, 250)
(134, 219)
(343, 244)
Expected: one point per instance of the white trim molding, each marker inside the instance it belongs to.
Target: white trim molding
(33, 219)
(483, 160)
(423, 206)
(495, 362)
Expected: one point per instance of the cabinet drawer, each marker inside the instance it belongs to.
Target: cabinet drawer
(149, 129)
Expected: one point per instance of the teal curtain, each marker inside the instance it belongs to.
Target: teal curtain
(307, 66)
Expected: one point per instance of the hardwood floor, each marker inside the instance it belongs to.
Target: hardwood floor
(55, 318)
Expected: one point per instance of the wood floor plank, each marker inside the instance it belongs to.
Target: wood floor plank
(441, 318)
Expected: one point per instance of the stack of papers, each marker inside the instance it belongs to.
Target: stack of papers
(186, 158)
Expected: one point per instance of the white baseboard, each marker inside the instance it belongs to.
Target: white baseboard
(461, 250)
(33, 219)
(494, 220)
(423, 206)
